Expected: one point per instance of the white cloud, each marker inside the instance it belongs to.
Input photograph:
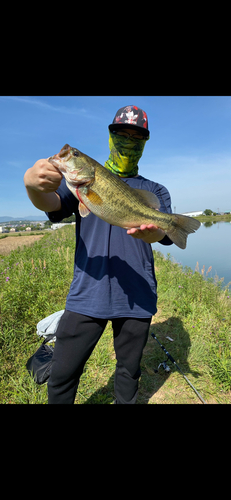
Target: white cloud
(42, 104)
(16, 164)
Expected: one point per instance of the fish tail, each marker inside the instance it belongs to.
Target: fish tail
(181, 227)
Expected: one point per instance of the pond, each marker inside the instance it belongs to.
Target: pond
(209, 246)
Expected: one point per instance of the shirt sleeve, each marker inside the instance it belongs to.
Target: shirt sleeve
(165, 206)
(69, 204)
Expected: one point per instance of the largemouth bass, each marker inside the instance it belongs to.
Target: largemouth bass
(107, 196)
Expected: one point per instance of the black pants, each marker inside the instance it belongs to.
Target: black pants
(76, 337)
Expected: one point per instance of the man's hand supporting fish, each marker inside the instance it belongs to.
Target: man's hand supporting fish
(148, 233)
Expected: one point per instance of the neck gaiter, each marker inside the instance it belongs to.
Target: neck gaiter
(124, 155)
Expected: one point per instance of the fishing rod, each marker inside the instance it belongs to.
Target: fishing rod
(167, 369)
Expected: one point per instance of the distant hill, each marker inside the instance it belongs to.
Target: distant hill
(7, 218)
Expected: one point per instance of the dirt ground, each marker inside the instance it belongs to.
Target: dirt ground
(13, 242)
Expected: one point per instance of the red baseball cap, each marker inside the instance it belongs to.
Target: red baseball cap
(131, 117)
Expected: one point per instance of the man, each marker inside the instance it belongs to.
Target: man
(114, 276)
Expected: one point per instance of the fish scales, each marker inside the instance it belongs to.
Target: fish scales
(121, 201)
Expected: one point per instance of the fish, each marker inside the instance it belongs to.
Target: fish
(104, 194)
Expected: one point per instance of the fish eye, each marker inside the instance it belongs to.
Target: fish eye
(76, 153)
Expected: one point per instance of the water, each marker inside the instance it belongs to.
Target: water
(210, 246)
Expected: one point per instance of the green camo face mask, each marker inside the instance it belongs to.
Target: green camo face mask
(124, 155)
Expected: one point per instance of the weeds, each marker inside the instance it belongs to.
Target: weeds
(204, 308)
(34, 283)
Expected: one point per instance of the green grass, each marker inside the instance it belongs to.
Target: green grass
(22, 233)
(213, 218)
(194, 312)
(34, 283)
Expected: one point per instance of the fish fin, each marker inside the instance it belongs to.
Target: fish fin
(94, 197)
(84, 212)
(182, 227)
(148, 198)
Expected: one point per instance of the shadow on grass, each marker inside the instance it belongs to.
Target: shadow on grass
(153, 355)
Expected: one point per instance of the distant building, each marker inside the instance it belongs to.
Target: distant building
(193, 214)
(12, 229)
(57, 225)
(28, 228)
(3, 229)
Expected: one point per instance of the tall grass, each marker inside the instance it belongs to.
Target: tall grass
(34, 283)
(204, 308)
(194, 312)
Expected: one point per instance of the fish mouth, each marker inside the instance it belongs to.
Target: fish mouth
(59, 161)
(65, 153)
(62, 157)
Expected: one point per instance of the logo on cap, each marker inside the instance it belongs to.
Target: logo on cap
(133, 117)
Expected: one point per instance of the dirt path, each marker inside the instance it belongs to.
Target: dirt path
(12, 242)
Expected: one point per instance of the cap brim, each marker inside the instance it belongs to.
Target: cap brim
(117, 126)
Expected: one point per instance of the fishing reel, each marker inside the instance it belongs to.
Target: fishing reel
(165, 367)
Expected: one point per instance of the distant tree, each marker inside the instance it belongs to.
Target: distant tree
(208, 212)
(72, 218)
(48, 223)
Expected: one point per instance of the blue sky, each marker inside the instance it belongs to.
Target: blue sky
(189, 150)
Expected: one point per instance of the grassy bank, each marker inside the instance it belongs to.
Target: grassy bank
(193, 312)
(196, 314)
(214, 218)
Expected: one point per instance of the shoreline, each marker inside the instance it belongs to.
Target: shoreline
(213, 218)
